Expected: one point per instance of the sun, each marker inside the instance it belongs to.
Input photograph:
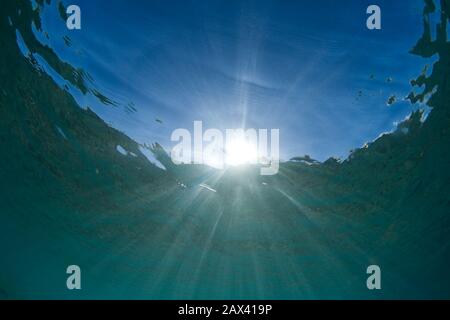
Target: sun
(239, 151)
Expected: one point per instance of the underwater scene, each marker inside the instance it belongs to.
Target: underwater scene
(355, 181)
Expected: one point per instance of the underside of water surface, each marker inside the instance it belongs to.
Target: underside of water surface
(137, 231)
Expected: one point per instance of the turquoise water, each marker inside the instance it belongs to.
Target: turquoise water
(137, 231)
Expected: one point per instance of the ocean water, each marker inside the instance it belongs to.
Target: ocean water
(74, 190)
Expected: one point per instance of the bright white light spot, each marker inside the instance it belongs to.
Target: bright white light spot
(121, 150)
(239, 151)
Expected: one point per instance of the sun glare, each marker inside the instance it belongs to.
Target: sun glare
(239, 151)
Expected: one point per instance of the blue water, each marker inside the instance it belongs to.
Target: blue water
(75, 190)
